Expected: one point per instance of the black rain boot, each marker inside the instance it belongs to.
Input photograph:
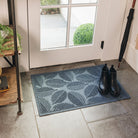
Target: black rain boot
(104, 81)
(114, 87)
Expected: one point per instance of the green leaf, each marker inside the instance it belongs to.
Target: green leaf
(8, 31)
(83, 34)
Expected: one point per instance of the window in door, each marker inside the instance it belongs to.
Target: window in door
(67, 23)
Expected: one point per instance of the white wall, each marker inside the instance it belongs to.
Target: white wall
(21, 21)
(131, 54)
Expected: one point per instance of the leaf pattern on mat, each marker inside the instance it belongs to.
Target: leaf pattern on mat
(57, 83)
(93, 100)
(95, 71)
(44, 105)
(100, 100)
(75, 85)
(57, 93)
(59, 97)
(44, 89)
(78, 71)
(76, 98)
(62, 106)
(43, 94)
(50, 75)
(38, 81)
(66, 75)
(85, 78)
(96, 82)
(90, 91)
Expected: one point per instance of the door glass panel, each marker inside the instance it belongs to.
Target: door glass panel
(83, 1)
(82, 25)
(53, 26)
(53, 2)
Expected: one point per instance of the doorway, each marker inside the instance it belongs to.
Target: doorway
(68, 31)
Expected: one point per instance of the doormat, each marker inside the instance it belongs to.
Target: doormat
(70, 89)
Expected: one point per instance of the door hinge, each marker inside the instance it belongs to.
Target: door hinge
(102, 44)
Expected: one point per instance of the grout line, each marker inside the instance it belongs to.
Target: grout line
(36, 120)
(114, 116)
(132, 119)
(86, 123)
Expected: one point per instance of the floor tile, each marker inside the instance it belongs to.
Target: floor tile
(27, 91)
(132, 106)
(103, 111)
(118, 127)
(34, 105)
(26, 87)
(128, 79)
(134, 116)
(63, 125)
(13, 126)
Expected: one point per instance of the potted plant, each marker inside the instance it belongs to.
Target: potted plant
(6, 39)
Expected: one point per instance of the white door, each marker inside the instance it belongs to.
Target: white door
(66, 31)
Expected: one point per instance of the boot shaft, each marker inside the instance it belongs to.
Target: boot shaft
(105, 72)
(113, 73)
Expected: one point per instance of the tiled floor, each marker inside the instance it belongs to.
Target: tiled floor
(113, 120)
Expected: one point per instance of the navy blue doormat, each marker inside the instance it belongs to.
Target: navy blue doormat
(71, 89)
